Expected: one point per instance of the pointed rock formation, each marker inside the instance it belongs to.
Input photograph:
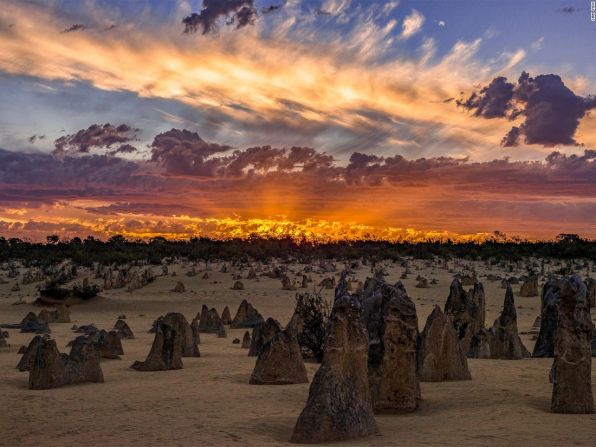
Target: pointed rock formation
(32, 324)
(238, 285)
(60, 314)
(50, 369)
(392, 323)
(296, 324)
(194, 327)
(467, 310)
(422, 283)
(339, 406)
(221, 333)
(591, 291)
(226, 317)
(261, 334)
(480, 344)
(26, 361)
(3, 337)
(529, 287)
(545, 344)
(246, 341)
(123, 330)
(440, 355)
(210, 322)
(108, 344)
(535, 329)
(506, 343)
(572, 366)
(502, 340)
(44, 316)
(179, 287)
(155, 324)
(246, 316)
(304, 282)
(280, 362)
(286, 283)
(180, 324)
(166, 351)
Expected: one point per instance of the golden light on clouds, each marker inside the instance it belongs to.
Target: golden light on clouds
(186, 227)
(262, 76)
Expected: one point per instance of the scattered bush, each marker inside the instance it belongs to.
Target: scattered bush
(313, 314)
(85, 291)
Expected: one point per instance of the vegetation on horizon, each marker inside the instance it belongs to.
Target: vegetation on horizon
(118, 250)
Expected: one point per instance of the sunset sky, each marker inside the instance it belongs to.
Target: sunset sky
(319, 118)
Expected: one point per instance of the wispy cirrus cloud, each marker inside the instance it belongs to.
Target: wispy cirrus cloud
(412, 24)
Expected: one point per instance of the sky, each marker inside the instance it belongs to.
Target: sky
(323, 119)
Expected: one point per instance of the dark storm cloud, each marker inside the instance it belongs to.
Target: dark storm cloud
(37, 176)
(73, 28)
(186, 153)
(551, 111)
(182, 163)
(239, 12)
(512, 137)
(182, 152)
(266, 158)
(260, 158)
(374, 169)
(98, 136)
(581, 166)
(493, 101)
(306, 158)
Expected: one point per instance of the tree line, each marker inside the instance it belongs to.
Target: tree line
(119, 250)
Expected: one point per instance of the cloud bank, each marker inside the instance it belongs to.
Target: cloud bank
(188, 182)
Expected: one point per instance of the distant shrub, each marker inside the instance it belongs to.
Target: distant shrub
(313, 315)
(85, 291)
(53, 291)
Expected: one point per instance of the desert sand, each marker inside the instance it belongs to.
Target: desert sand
(210, 402)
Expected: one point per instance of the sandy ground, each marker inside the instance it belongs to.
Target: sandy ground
(210, 403)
